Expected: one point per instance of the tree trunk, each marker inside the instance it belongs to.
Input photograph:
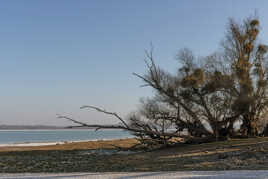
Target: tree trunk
(250, 126)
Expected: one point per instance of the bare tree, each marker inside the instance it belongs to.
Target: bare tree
(206, 97)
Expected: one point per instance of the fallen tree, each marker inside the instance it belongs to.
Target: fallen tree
(146, 133)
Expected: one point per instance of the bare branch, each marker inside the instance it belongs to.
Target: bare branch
(82, 124)
(106, 112)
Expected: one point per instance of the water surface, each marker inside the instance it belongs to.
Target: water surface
(59, 135)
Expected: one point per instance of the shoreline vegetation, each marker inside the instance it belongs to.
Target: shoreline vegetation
(100, 156)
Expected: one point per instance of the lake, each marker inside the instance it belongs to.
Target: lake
(60, 135)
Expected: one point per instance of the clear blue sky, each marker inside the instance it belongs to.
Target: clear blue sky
(58, 55)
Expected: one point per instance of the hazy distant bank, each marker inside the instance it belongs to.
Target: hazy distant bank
(20, 127)
(29, 127)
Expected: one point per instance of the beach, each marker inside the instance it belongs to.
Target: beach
(105, 156)
(71, 145)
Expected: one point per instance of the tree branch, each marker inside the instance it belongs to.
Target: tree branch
(106, 112)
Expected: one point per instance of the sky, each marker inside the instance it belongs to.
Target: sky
(56, 56)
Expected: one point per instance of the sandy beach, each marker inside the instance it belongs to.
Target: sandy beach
(69, 145)
(104, 156)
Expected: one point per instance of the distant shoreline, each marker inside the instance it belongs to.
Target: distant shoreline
(63, 129)
(18, 127)
(38, 127)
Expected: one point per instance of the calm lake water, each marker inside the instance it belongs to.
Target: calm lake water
(43, 136)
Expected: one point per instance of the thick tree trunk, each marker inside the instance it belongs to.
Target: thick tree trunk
(249, 126)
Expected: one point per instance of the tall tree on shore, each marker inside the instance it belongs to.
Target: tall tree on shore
(248, 66)
(207, 96)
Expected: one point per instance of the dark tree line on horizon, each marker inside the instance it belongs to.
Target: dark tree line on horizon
(216, 97)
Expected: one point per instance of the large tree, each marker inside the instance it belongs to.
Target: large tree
(221, 89)
(207, 96)
(248, 66)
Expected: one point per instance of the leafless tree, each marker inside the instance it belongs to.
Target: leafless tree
(206, 97)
